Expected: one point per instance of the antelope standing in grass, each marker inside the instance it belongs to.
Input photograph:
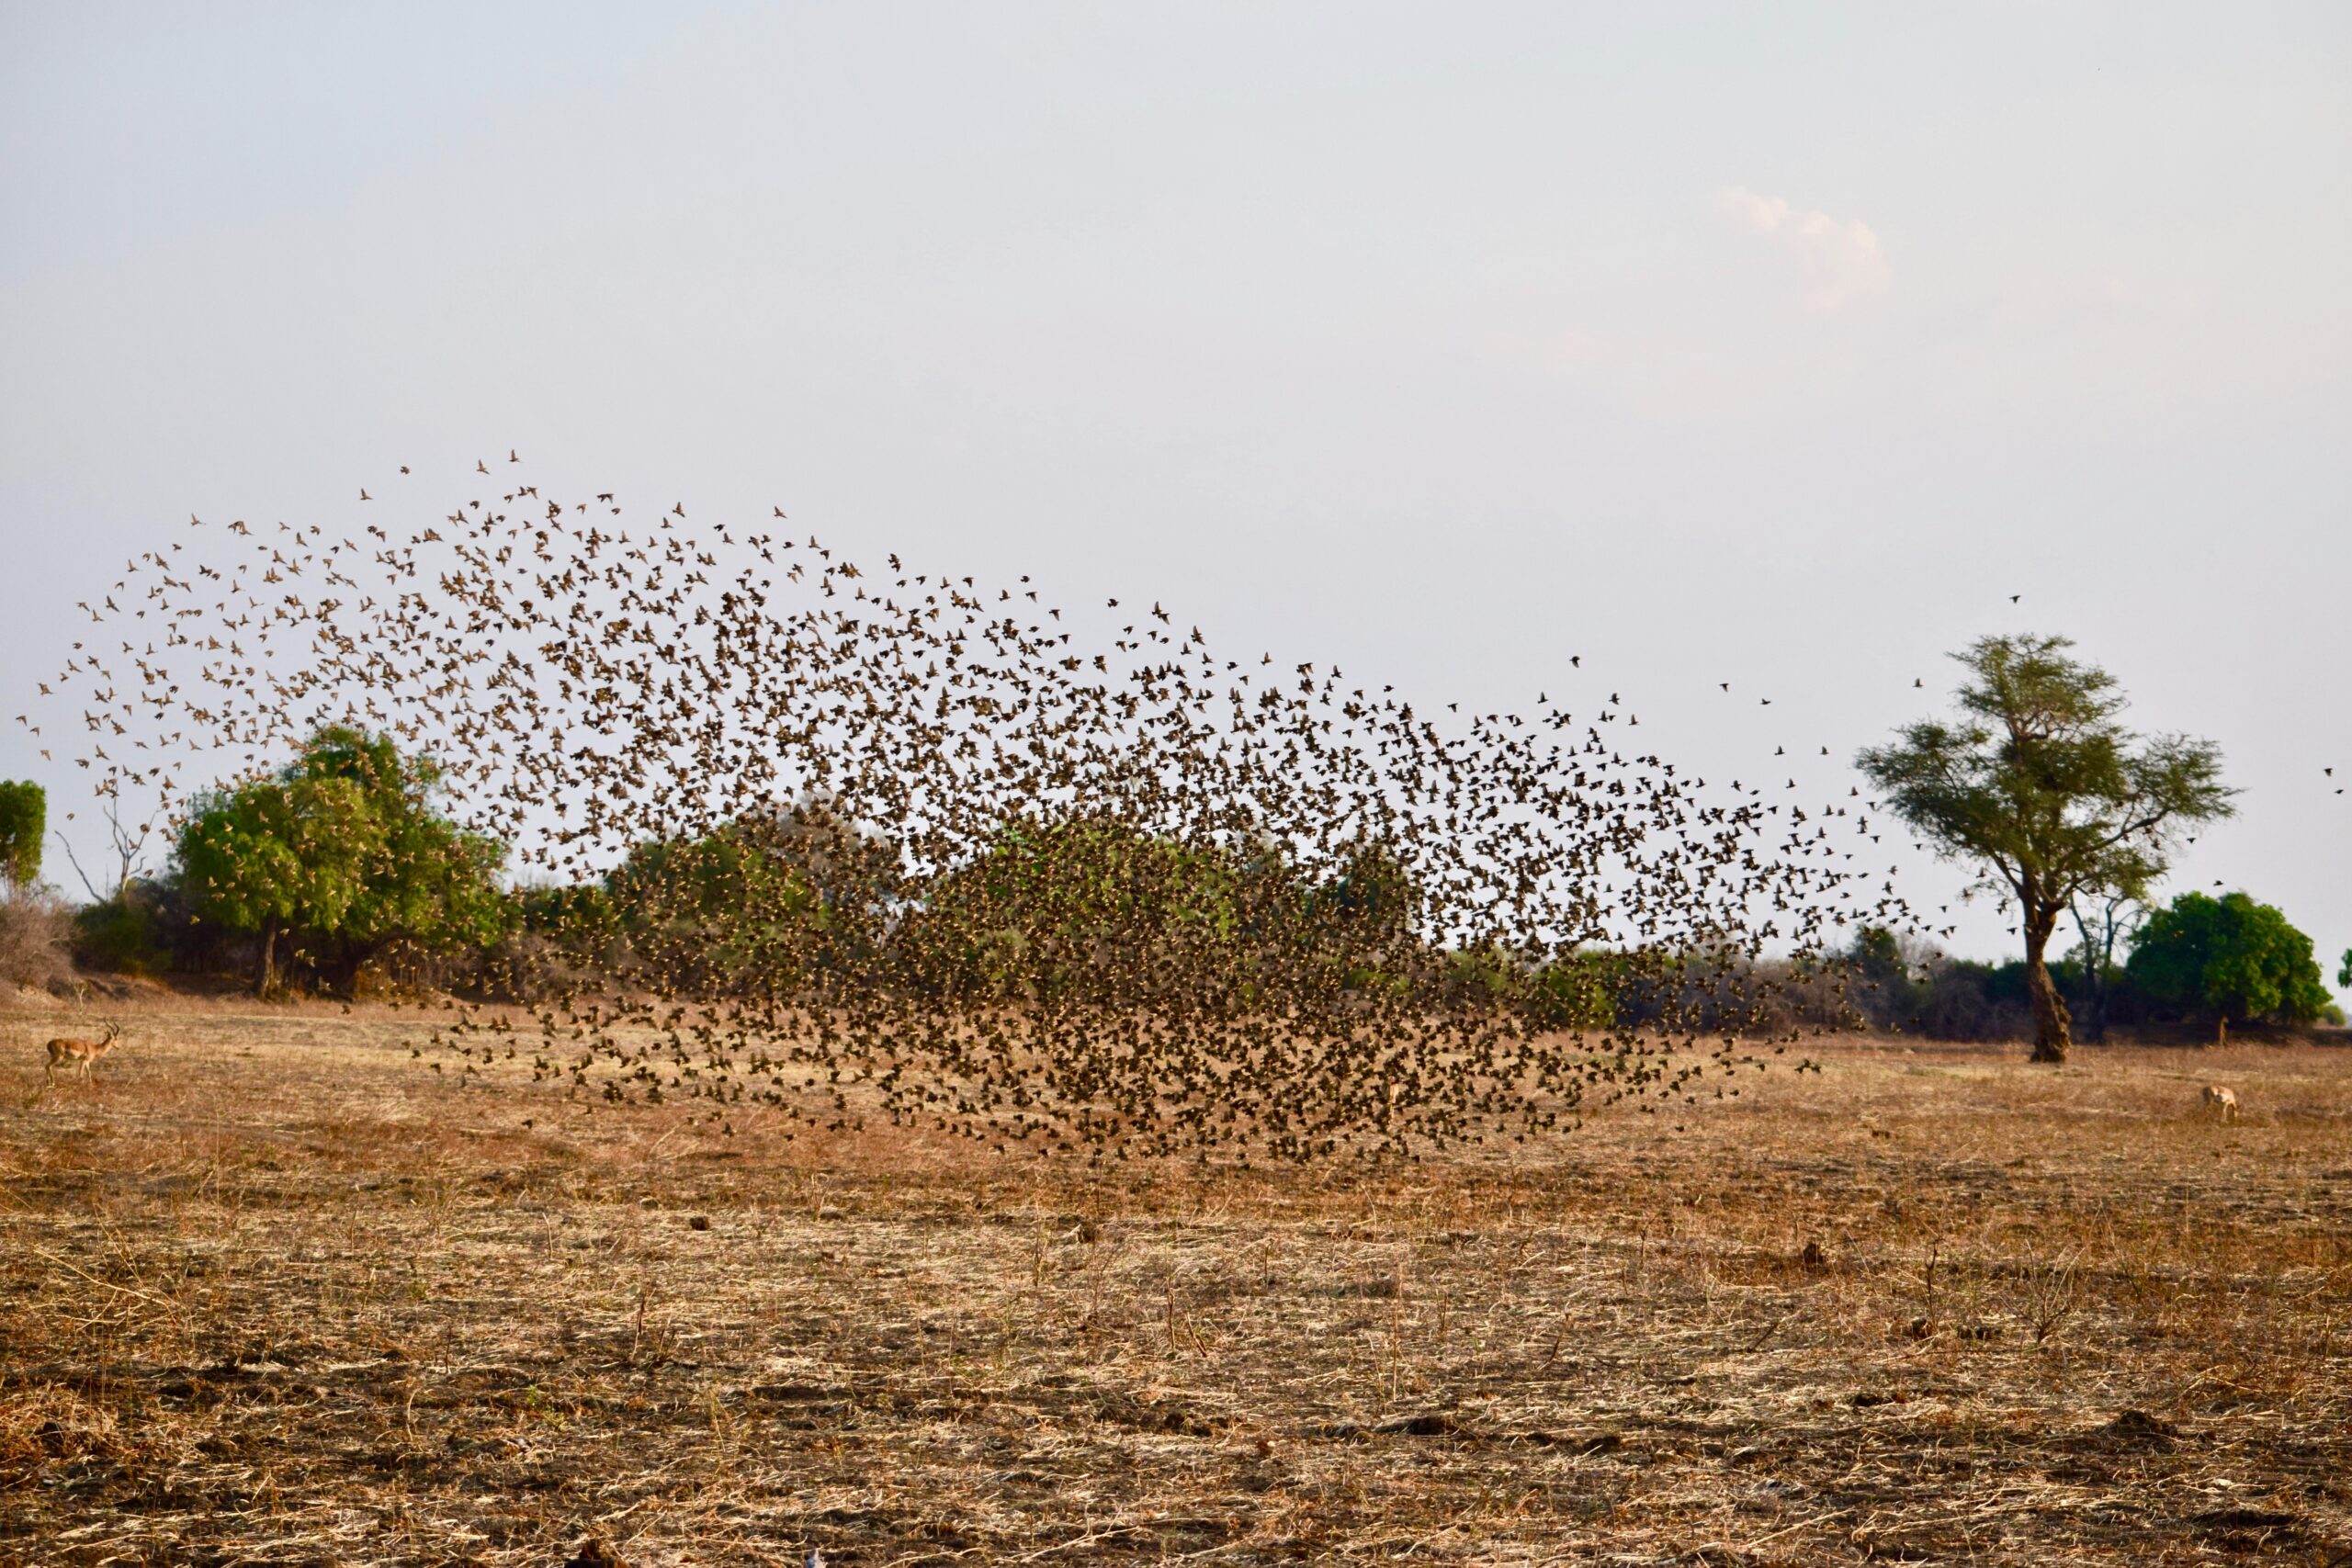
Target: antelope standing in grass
(2222, 1102)
(82, 1052)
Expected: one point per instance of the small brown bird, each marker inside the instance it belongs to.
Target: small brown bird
(912, 850)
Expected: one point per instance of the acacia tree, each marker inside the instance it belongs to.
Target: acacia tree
(2040, 786)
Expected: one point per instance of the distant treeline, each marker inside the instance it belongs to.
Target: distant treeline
(338, 873)
(1082, 911)
(2199, 961)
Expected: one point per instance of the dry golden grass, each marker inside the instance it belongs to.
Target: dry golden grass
(275, 1292)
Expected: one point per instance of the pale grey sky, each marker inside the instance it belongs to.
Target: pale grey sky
(1775, 345)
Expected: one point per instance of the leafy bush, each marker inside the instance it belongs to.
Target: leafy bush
(24, 820)
(343, 851)
(772, 902)
(2228, 958)
(121, 936)
(1054, 909)
(1580, 991)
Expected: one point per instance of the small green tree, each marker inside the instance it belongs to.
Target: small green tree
(2344, 975)
(2229, 959)
(767, 903)
(2040, 786)
(343, 850)
(1068, 909)
(24, 821)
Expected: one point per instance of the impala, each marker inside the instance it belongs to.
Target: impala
(82, 1052)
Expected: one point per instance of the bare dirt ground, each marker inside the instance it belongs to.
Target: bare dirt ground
(277, 1293)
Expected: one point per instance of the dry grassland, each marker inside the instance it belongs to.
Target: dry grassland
(274, 1293)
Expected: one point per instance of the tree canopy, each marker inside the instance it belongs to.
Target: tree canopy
(771, 902)
(2228, 958)
(1094, 908)
(2039, 785)
(344, 851)
(24, 820)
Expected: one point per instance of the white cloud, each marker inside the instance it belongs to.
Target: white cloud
(1842, 256)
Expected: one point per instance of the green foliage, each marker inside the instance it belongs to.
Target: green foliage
(23, 822)
(1577, 991)
(343, 850)
(1095, 911)
(2230, 958)
(766, 904)
(121, 936)
(1887, 987)
(1583, 990)
(2344, 975)
(2042, 787)
(566, 910)
(1053, 908)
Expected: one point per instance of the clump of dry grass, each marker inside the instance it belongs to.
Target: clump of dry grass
(279, 1292)
(34, 926)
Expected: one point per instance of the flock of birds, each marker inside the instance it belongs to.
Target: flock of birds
(986, 870)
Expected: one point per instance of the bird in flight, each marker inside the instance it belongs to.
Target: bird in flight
(920, 766)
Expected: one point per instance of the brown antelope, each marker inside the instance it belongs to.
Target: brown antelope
(82, 1052)
(2222, 1102)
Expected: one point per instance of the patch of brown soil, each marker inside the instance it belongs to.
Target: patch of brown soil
(277, 1291)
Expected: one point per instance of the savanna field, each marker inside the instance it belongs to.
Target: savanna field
(277, 1290)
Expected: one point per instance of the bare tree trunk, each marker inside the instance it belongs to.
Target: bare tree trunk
(269, 981)
(2052, 1023)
